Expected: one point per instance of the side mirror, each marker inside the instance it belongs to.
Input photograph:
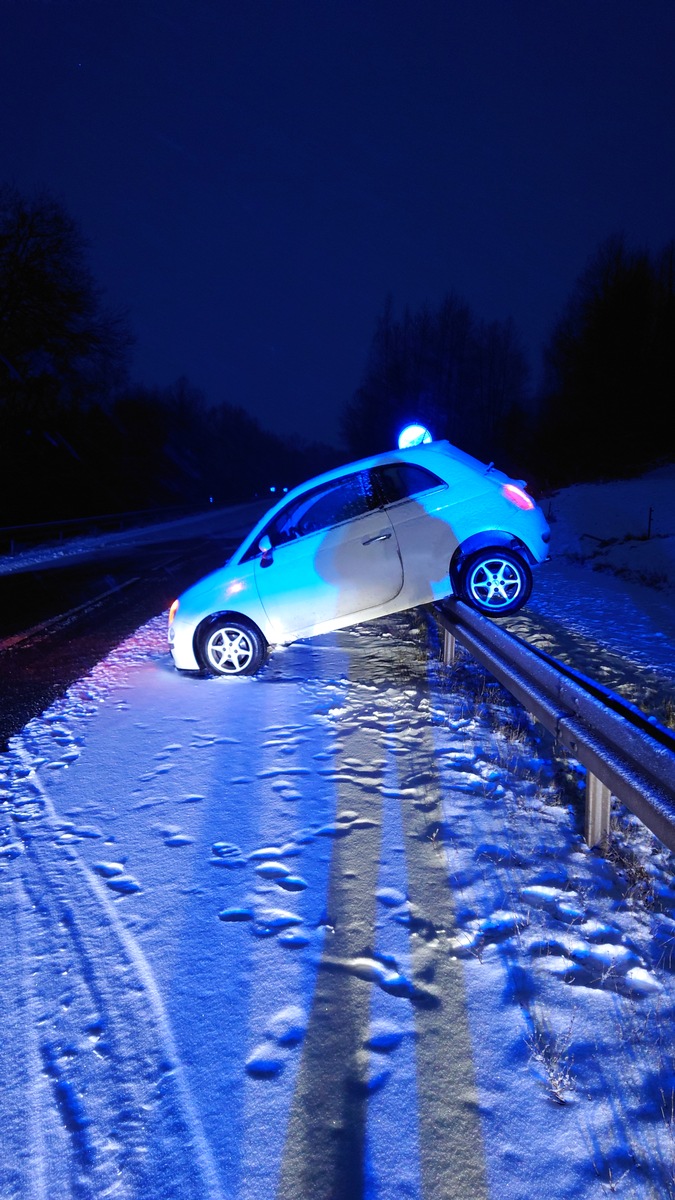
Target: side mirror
(265, 547)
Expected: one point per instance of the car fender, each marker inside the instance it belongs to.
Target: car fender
(485, 539)
(213, 618)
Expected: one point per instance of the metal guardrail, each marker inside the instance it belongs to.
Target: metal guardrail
(14, 536)
(625, 754)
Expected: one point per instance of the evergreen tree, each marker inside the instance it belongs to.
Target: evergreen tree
(56, 338)
(461, 377)
(610, 367)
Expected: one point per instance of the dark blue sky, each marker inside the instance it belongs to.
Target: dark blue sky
(254, 176)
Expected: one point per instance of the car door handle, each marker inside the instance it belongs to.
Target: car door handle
(379, 537)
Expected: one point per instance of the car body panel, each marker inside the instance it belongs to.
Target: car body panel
(426, 544)
(395, 553)
(325, 576)
(229, 590)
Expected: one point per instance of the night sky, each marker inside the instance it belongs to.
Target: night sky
(255, 176)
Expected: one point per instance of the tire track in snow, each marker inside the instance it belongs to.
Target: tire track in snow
(21, 1164)
(107, 1052)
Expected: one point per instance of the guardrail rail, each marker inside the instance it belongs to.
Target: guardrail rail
(15, 537)
(626, 754)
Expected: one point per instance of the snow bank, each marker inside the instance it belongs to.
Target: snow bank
(607, 526)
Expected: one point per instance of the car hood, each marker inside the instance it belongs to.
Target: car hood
(217, 581)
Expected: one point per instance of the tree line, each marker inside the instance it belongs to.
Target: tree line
(463, 378)
(602, 410)
(78, 437)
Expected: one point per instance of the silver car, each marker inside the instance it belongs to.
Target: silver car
(374, 537)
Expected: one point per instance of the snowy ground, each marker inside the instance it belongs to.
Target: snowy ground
(333, 931)
(604, 602)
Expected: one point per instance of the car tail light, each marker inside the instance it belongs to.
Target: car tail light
(172, 611)
(517, 496)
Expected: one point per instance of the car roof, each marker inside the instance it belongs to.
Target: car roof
(419, 455)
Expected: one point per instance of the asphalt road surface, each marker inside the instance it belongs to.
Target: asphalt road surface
(57, 621)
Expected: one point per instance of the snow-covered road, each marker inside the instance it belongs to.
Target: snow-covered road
(327, 932)
(217, 970)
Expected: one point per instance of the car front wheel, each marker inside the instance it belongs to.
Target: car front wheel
(231, 647)
(495, 582)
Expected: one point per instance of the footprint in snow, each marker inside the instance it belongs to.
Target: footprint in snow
(124, 884)
(560, 904)
(390, 897)
(226, 854)
(615, 967)
(273, 921)
(274, 771)
(384, 1037)
(292, 883)
(291, 939)
(10, 851)
(385, 973)
(150, 775)
(272, 870)
(235, 915)
(274, 852)
(498, 927)
(178, 839)
(285, 1032)
(76, 833)
(604, 957)
(288, 1026)
(108, 870)
(366, 1074)
(265, 1062)
(286, 790)
(281, 875)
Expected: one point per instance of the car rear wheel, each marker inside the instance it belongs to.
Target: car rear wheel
(231, 647)
(495, 581)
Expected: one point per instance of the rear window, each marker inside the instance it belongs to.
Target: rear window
(400, 480)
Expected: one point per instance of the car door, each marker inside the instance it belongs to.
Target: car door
(334, 558)
(416, 503)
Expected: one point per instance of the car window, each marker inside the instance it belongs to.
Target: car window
(324, 506)
(400, 480)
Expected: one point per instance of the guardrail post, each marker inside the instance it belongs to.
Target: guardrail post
(596, 822)
(449, 646)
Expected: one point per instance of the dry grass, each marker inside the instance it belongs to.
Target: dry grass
(551, 1053)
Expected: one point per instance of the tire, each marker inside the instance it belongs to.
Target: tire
(495, 581)
(232, 647)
